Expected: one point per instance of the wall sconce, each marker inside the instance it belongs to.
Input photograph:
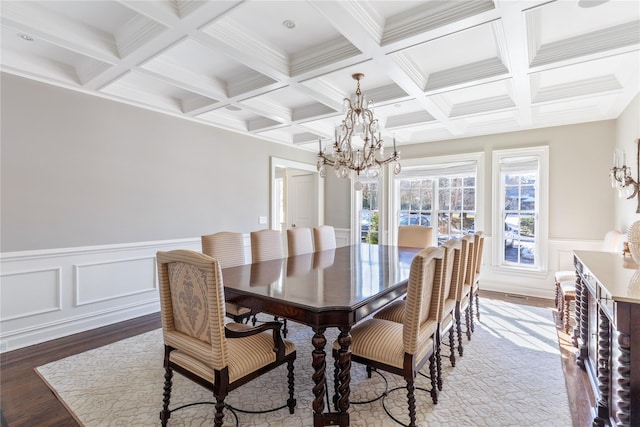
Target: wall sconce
(621, 178)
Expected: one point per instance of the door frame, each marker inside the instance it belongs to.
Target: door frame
(277, 162)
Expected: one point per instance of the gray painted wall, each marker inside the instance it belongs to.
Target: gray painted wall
(80, 171)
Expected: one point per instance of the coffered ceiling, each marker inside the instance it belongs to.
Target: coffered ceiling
(279, 70)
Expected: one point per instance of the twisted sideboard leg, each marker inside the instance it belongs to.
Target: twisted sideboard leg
(581, 333)
(604, 356)
(624, 380)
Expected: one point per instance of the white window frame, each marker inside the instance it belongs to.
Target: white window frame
(541, 211)
(414, 166)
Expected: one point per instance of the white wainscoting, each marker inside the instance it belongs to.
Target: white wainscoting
(343, 237)
(53, 293)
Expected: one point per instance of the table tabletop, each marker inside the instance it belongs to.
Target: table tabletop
(335, 287)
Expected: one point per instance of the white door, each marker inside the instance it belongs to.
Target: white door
(301, 201)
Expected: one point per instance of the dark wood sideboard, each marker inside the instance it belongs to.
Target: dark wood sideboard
(607, 334)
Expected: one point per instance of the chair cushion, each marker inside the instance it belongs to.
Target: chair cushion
(568, 288)
(381, 340)
(236, 310)
(246, 355)
(565, 276)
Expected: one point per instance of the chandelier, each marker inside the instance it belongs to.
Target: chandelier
(356, 147)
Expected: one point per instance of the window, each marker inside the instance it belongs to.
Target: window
(440, 192)
(456, 208)
(369, 212)
(520, 195)
(416, 201)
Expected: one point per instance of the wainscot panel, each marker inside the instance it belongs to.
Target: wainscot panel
(49, 294)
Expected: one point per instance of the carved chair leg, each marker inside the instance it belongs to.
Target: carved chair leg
(468, 321)
(452, 347)
(438, 360)
(411, 398)
(165, 414)
(217, 421)
(459, 329)
(432, 376)
(478, 304)
(566, 315)
(470, 308)
(291, 402)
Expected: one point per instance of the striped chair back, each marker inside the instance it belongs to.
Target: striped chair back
(227, 247)
(266, 245)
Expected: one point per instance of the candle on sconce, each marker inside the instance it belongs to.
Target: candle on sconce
(394, 144)
(320, 145)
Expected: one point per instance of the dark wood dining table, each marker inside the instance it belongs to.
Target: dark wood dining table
(329, 289)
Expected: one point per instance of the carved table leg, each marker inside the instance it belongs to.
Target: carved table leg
(604, 352)
(344, 373)
(319, 379)
(624, 380)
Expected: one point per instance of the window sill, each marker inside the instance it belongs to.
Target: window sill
(518, 271)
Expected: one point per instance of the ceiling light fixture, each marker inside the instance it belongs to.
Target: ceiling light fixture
(365, 156)
(289, 24)
(26, 37)
(591, 3)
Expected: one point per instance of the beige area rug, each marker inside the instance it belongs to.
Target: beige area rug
(510, 375)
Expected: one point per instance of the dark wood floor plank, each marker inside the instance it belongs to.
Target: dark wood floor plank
(26, 401)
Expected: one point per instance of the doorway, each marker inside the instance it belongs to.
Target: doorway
(297, 195)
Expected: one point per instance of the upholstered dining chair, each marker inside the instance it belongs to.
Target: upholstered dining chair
(324, 238)
(462, 290)
(228, 248)
(266, 245)
(466, 299)
(415, 236)
(198, 344)
(299, 241)
(478, 244)
(404, 348)
(444, 298)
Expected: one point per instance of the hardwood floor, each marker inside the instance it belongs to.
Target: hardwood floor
(27, 401)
